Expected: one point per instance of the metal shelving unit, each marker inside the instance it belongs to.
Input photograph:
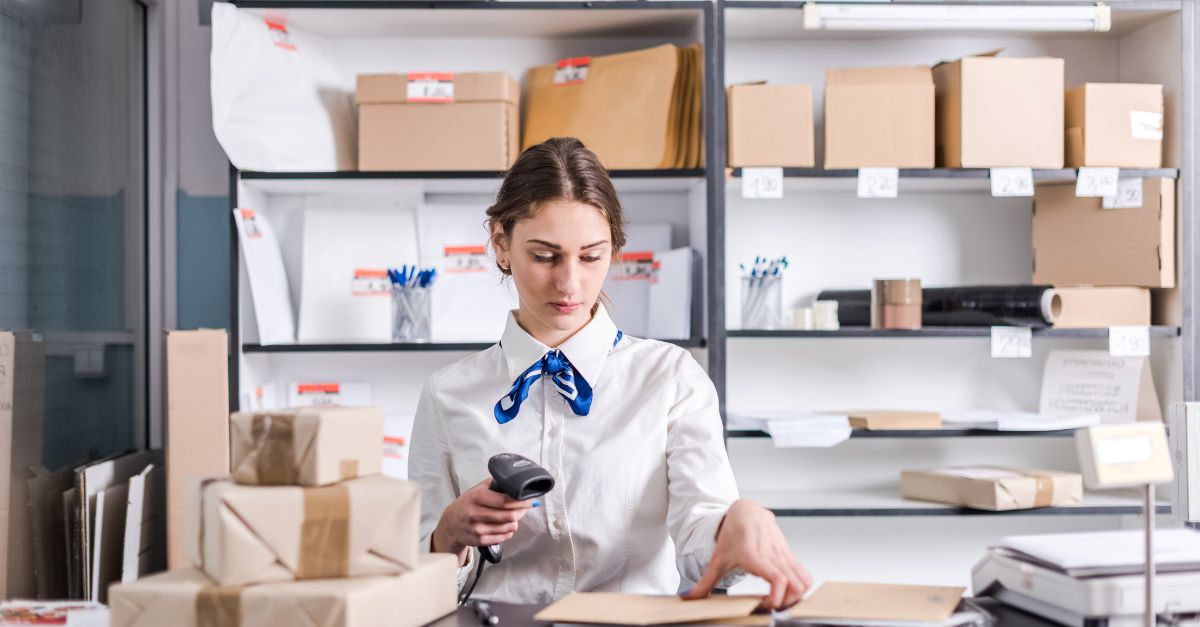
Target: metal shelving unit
(935, 332)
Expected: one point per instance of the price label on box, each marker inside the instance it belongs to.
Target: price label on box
(1012, 342)
(1128, 196)
(1009, 182)
(1129, 341)
(762, 182)
(572, 71)
(431, 87)
(1093, 182)
(878, 182)
(1146, 124)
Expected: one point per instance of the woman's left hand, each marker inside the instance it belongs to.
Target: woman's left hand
(749, 538)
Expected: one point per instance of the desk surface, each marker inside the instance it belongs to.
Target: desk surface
(513, 614)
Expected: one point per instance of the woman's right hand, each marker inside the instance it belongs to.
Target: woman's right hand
(480, 517)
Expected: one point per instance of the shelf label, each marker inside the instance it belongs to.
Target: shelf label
(431, 87)
(878, 182)
(1093, 182)
(370, 282)
(1129, 341)
(572, 71)
(250, 224)
(1012, 342)
(465, 259)
(1146, 124)
(1007, 182)
(1128, 196)
(762, 182)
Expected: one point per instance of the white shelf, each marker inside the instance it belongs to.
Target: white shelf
(886, 501)
(485, 183)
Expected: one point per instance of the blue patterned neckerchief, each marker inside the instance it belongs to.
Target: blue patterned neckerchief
(565, 376)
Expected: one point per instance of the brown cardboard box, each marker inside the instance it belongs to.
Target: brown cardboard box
(999, 112)
(309, 446)
(877, 420)
(197, 422)
(1078, 242)
(240, 535)
(770, 125)
(879, 117)
(1114, 124)
(993, 488)
(1097, 307)
(635, 110)
(22, 377)
(476, 130)
(186, 598)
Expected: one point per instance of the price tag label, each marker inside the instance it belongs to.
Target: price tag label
(762, 182)
(1129, 341)
(250, 224)
(1093, 182)
(371, 283)
(431, 87)
(1146, 124)
(465, 259)
(1128, 196)
(878, 182)
(1007, 182)
(1012, 342)
(572, 71)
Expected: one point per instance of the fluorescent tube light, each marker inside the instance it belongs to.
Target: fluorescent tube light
(865, 17)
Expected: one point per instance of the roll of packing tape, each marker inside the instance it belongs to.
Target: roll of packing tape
(896, 304)
(825, 315)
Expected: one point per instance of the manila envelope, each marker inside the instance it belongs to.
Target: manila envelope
(307, 446)
(875, 601)
(240, 535)
(621, 111)
(635, 609)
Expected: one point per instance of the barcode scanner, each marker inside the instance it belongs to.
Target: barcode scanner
(520, 479)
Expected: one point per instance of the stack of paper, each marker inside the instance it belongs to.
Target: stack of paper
(1015, 420)
(794, 428)
(1107, 553)
(635, 110)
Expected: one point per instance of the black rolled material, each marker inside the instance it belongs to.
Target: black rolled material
(975, 306)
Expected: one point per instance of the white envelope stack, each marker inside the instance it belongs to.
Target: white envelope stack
(304, 531)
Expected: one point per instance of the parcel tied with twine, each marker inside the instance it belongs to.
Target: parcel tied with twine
(308, 446)
(240, 535)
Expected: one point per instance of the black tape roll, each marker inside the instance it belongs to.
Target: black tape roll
(975, 306)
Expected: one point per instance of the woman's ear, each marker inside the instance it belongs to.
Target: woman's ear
(500, 244)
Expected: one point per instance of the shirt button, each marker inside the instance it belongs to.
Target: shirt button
(560, 525)
(554, 432)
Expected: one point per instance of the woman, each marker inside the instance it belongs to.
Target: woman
(629, 427)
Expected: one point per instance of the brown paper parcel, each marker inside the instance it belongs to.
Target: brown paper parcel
(240, 535)
(993, 488)
(186, 598)
(309, 446)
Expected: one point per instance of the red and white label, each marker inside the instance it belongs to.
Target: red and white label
(393, 447)
(318, 393)
(635, 266)
(431, 87)
(250, 224)
(572, 71)
(465, 259)
(371, 282)
(279, 33)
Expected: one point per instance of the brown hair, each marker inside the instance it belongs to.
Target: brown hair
(561, 168)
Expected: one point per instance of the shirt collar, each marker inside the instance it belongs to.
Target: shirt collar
(586, 350)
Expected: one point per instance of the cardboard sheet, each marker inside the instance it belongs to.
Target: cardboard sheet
(873, 601)
(633, 609)
(22, 372)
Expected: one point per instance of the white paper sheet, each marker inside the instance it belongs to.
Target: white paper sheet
(1000, 420)
(268, 278)
(670, 303)
(628, 283)
(279, 100)
(1118, 389)
(317, 393)
(1070, 551)
(397, 431)
(794, 428)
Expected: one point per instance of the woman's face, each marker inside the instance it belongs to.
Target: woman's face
(559, 259)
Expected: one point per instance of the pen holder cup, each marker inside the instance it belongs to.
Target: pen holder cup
(411, 314)
(762, 302)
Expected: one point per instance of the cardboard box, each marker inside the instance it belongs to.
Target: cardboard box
(197, 422)
(877, 420)
(1097, 307)
(770, 125)
(311, 446)
(186, 598)
(1078, 242)
(999, 112)
(879, 117)
(22, 378)
(476, 128)
(1114, 124)
(635, 110)
(240, 535)
(993, 488)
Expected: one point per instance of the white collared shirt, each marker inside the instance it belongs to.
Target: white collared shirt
(642, 481)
